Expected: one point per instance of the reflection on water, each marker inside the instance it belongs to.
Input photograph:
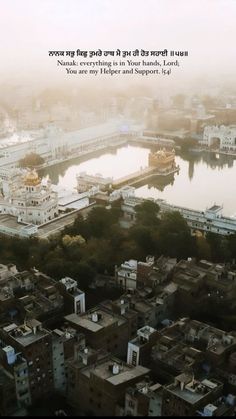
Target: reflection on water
(203, 178)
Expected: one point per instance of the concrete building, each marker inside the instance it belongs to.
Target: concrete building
(171, 357)
(211, 220)
(187, 395)
(102, 329)
(199, 282)
(139, 348)
(100, 387)
(30, 294)
(126, 274)
(53, 143)
(190, 344)
(22, 383)
(143, 399)
(8, 401)
(135, 274)
(15, 366)
(190, 282)
(74, 298)
(221, 406)
(122, 307)
(35, 345)
(86, 182)
(63, 342)
(153, 273)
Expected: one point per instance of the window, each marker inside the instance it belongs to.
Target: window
(134, 358)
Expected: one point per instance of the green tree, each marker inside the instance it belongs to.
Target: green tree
(175, 236)
(142, 236)
(31, 160)
(203, 248)
(147, 213)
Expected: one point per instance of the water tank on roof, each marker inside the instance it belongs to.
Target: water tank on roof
(94, 317)
(10, 353)
(115, 369)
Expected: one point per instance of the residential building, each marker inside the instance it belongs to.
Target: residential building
(100, 387)
(143, 399)
(35, 345)
(102, 329)
(187, 395)
(74, 298)
(139, 348)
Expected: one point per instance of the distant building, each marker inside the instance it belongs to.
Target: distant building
(211, 220)
(86, 182)
(163, 160)
(223, 137)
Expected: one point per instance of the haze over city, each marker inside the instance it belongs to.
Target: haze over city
(118, 208)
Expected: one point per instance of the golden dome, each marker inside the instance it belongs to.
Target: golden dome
(32, 178)
(161, 153)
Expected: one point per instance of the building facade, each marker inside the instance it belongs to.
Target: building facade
(29, 199)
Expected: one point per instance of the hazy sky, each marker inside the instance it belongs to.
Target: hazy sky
(29, 28)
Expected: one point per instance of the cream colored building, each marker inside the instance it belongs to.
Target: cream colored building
(26, 197)
(223, 137)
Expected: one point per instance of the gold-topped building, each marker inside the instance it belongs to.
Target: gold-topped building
(28, 198)
(32, 178)
(163, 160)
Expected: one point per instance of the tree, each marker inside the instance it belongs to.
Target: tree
(83, 273)
(142, 236)
(175, 236)
(147, 213)
(31, 160)
(100, 221)
(203, 248)
(220, 250)
(69, 241)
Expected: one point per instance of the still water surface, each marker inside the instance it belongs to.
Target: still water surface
(203, 179)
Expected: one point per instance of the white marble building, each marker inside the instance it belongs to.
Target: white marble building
(25, 196)
(223, 137)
